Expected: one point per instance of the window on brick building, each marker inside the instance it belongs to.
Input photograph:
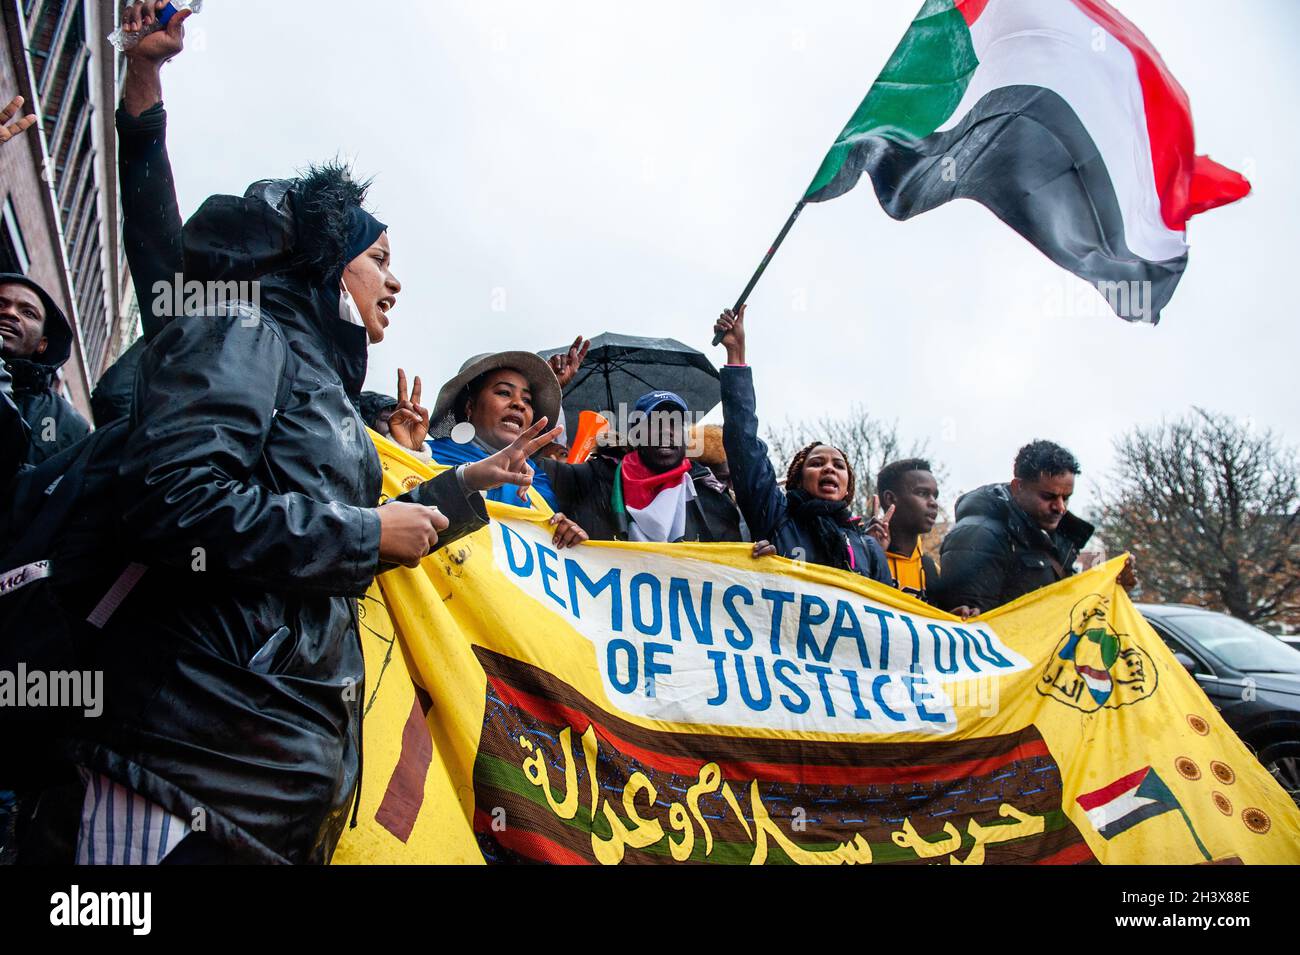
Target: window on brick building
(13, 251)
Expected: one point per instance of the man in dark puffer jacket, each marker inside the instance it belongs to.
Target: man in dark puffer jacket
(1013, 538)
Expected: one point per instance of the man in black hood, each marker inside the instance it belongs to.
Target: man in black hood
(35, 342)
(1012, 538)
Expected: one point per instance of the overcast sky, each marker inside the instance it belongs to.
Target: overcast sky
(555, 168)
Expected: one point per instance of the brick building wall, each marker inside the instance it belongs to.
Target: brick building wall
(58, 182)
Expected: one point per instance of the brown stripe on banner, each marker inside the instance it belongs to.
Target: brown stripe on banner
(541, 684)
(404, 796)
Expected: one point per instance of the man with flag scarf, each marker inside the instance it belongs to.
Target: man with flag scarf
(655, 493)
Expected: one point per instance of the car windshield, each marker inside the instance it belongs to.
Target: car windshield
(1238, 644)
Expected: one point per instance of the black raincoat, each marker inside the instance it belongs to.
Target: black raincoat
(52, 420)
(234, 677)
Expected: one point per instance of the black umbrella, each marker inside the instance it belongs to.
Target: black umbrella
(619, 369)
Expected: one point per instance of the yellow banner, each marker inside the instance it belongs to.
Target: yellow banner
(671, 703)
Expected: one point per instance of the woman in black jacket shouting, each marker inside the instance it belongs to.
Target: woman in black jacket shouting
(248, 493)
(810, 520)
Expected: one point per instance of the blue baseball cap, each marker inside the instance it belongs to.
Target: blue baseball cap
(648, 403)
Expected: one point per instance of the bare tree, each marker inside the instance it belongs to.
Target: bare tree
(1211, 510)
(867, 442)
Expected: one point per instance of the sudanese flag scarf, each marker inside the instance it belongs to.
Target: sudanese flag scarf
(655, 503)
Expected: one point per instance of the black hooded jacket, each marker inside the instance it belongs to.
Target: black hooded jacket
(14, 433)
(234, 676)
(995, 553)
(53, 422)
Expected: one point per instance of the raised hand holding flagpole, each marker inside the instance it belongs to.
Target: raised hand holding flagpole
(762, 266)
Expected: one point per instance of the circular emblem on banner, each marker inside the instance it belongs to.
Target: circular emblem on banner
(1223, 772)
(1094, 666)
(1256, 820)
(1198, 725)
(410, 482)
(1222, 803)
(1187, 769)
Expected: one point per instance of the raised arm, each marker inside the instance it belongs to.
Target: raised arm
(752, 475)
(151, 221)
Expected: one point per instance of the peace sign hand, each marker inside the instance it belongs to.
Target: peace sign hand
(566, 365)
(510, 464)
(409, 423)
(879, 526)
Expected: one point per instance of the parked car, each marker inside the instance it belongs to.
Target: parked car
(1251, 677)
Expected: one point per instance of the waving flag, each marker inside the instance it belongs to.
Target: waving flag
(1060, 117)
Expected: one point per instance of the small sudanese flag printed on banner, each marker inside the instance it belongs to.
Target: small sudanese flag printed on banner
(1127, 801)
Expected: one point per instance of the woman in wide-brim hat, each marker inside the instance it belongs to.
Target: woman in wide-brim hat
(489, 403)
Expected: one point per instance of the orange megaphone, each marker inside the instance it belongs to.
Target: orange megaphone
(590, 424)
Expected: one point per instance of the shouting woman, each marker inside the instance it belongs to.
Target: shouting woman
(247, 489)
(810, 520)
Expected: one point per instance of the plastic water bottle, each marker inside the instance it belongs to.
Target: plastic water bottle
(123, 41)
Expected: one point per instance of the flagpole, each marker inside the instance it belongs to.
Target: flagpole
(1199, 844)
(762, 266)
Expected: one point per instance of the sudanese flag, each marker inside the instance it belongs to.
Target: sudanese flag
(1060, 117)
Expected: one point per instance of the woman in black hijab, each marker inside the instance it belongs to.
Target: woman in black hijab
(247, 487)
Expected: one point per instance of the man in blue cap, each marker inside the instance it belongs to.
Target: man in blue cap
(654, 492)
